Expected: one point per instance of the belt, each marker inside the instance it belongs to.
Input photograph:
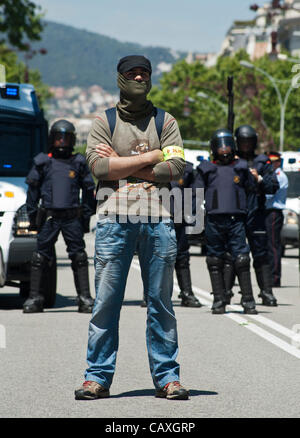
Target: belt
(69, 213)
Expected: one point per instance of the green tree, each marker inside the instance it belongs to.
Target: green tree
(16, 70)
(20, 22)
(256, 101)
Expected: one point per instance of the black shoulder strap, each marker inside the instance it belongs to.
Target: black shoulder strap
(111, 114)
(159, 119)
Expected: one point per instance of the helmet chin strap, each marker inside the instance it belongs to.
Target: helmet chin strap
(226, 159)
(61, 152)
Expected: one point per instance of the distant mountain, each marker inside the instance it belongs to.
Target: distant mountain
(79, 58)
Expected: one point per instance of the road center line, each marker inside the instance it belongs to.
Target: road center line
(242, 321)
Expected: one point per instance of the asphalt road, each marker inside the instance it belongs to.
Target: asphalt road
(236, 366)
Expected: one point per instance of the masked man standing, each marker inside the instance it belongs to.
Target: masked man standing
(141, 144)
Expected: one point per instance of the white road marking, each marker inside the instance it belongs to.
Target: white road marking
(259, 318)
(2, 336)
(206, 300)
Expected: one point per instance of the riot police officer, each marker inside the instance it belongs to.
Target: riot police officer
(55, 181)
(182, 264)
(246, 138)
(225, 181)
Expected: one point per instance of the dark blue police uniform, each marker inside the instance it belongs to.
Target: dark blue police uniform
(255, 223)
(226, 208)
(182, 241)
(182, 264)
(225, 205)
(256, 230)
(247, 142)
(57, 182)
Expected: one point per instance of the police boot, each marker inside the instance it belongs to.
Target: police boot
(264, 281)
(183, 274)
(242, 269)
(35, 301)
(81, 278)
(229, 277)
(215, 267)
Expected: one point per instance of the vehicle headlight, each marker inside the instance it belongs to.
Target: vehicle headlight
(291, 217)
(22, 223)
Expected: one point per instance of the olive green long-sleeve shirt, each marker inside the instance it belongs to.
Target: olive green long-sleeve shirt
(130, 139)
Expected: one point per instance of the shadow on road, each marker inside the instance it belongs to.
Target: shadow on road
(11, 302)
(14, 301)
(151, 393)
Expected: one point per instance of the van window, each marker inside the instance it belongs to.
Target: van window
(16, 151)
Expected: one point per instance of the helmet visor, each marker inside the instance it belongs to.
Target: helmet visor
(222, 143)
(63, 139)
(246, 144)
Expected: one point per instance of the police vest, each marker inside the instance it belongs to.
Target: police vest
(225, 187)
(60, 180)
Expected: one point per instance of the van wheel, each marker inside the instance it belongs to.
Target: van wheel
(48, 288)
(24, 289)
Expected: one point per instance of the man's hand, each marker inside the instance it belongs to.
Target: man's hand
(152, 157)
(155, 156)
(104, 150)
(257, 177)
(122, 167)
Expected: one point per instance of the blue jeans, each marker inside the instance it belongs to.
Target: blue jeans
(114, 249)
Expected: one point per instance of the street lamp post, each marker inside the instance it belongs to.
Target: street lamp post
(213, 99)
(282, 102)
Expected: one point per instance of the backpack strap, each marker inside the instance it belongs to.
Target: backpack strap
(111, 114)
(159, 120)
(159, 116)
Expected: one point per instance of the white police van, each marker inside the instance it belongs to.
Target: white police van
(195, 156)
(23, 134)
(290, 161)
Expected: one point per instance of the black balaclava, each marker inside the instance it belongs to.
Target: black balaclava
(133, 104)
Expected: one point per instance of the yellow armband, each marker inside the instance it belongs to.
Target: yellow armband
(172, 152)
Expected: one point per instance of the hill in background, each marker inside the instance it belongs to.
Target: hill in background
(80, 58)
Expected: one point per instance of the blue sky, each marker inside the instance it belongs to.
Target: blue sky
(189, 25)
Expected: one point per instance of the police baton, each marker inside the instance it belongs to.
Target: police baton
(231, 115)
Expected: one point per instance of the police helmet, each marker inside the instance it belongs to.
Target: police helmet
(220, 139)
(246, 133)
(62, 138)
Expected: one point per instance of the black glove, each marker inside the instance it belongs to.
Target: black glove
(86, 224)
